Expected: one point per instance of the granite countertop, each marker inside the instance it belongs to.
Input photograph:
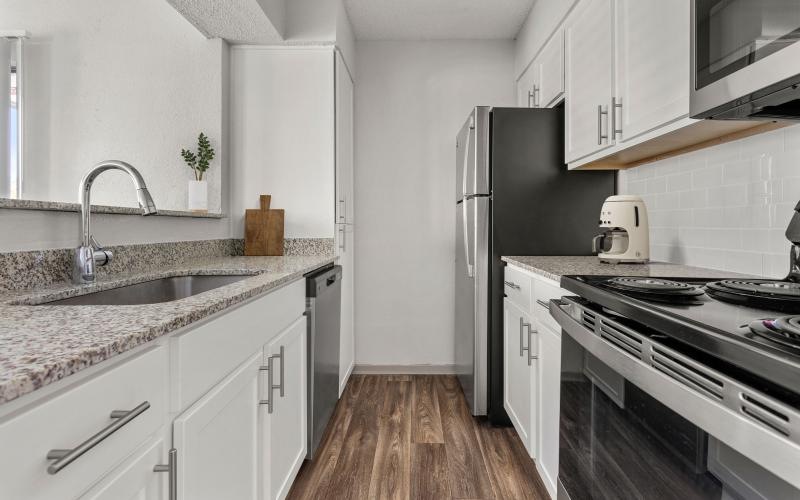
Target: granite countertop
(554, 267)
(41, 344)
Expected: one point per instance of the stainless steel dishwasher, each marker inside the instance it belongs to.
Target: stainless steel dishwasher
(323, 308)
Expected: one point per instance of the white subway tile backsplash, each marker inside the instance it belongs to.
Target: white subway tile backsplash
(707, 177)
(724, 207)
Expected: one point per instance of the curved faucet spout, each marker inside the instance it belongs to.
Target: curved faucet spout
(90, 251)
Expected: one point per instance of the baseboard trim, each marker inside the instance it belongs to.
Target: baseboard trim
(404, 369)
(343, 383)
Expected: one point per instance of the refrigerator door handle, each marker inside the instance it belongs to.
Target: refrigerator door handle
(467, 144)
(470, 267)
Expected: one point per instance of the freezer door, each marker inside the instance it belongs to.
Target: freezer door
(464, 158)
(472, 155)
(471, 300)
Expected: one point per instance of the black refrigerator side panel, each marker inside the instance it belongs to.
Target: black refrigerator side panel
(538, 208)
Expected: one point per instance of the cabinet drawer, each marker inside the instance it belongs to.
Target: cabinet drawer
(543, 292)
(204, 355)
(75, 415)
(518, 288)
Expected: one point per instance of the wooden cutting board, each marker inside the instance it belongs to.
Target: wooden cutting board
(263, 229)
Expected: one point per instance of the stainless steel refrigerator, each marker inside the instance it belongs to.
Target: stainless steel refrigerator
(514, 196)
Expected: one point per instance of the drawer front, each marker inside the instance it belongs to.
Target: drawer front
(518, 288)
(204, 355)
(73, 416)
(544, 291)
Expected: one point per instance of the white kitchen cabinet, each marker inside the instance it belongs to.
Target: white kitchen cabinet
(532, 391)
(549, 392)
(344, 142)
(345, 217)
(519, 377)
(135, 478)
(589, 78)
(652, 61)
(345, 249)
(527, 86)
(217, 438)
(72, 416)
(285, 430)
(550, 88)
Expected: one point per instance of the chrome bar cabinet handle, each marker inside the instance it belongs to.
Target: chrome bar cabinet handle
(531, 331)
(536, 102)
(531, 100)
(522, 326)
(513, 285)
(342, 210)
(343, 239)
(543, 304)
(172, 468)
(121, 419)
(600, 135)
(270, 369)
(616, 103)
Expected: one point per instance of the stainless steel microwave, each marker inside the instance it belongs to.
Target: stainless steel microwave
(745, 59)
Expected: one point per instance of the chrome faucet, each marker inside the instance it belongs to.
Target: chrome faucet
(90, 253)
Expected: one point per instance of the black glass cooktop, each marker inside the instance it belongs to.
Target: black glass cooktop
(752, 324)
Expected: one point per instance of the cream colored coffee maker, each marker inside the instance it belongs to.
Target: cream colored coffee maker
(627, 235)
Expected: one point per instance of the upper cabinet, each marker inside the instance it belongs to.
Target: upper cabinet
(652, 52)
(589, 78)
(542, 83)
(551, 71)
(526, 86)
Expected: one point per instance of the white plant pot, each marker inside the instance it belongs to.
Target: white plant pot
(198, 196)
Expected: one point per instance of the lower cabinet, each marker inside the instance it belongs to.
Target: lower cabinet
(532, 368)
(285, 431)
(217, 438)
(135, 479)
(520, 363)
(549, 391)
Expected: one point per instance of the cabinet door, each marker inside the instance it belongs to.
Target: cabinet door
(652, 64)
(217, 438)
(526, 84)
(550, 88)
(134, 479)
(589, 79)
(518, 390)
(344, 143)
(347, 326)
(286, 430)
(549, 397)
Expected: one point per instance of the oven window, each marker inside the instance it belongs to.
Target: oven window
(732, 34)
(618, 442)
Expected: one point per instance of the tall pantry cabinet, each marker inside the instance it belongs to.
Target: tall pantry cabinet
(292, 137)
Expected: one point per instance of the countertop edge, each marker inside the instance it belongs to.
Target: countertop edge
(29, 382)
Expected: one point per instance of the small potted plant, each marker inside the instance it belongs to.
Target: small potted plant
(199, 163)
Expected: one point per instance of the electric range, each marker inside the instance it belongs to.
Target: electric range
(680, 385)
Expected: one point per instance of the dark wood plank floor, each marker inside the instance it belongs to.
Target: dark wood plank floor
(412, 437)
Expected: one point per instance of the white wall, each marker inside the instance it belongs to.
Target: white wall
(410, 100)
(543, 19)
(114, 79)
(725, 207)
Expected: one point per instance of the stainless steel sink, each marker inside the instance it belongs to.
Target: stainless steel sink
(151, 292)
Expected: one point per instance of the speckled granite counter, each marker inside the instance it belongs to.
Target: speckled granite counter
(554, 267)
(41, 344)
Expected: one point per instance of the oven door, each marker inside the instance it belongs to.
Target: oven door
(633, 429)
(741, 47)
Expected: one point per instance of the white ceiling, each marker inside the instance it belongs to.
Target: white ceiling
(437, 19)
